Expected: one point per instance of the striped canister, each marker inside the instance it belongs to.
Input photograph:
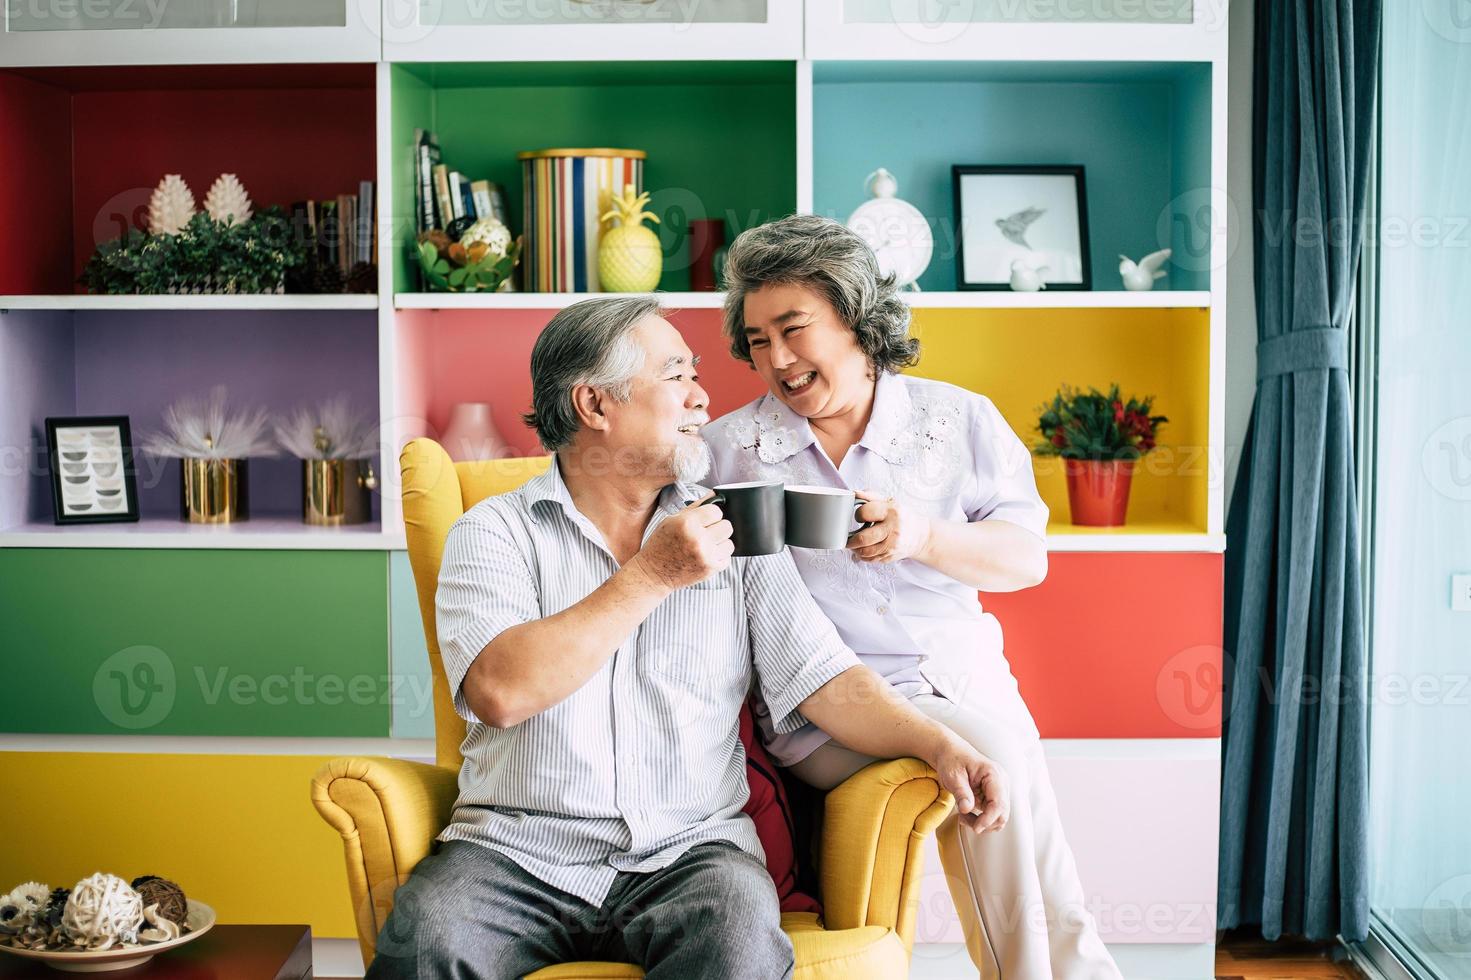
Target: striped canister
(566, 191)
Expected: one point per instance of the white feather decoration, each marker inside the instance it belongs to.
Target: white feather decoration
(227, 200)
(196, 428)
(170, 207)
(331, 430)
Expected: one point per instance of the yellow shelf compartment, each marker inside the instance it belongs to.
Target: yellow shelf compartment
(1019, 358)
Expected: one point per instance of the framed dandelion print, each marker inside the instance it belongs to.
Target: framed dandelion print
(1027, 219)
(92, 476)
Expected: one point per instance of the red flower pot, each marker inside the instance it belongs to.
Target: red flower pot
(1098, 490)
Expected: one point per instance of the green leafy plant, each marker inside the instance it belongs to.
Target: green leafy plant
(1094, 425)
(485, 274)
(205, 256)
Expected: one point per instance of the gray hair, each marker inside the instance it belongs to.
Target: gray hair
(587, 343)
(825, 256)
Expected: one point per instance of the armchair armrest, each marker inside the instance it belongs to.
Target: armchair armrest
(874, 826)
(388, 812)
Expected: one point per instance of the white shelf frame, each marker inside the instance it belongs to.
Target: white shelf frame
(791, 33)
(540, 301)
(261, 301)
(258, 533)
(357, 40)
(948, 300)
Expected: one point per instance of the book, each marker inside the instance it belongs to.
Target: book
(467, 199)
(346, 231)
(446, 210)
(456, 198)
(419, 137)
(431, 160)
(304, 223)
(366, 211)
(480, 194)
(328, 242)
(497, 196)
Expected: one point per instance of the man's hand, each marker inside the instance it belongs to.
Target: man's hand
(898, 532)
(686, 548)
(981, 788)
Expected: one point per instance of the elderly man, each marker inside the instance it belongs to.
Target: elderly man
(600, 640)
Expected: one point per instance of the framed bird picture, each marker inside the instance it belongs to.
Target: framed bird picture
(1027, 222)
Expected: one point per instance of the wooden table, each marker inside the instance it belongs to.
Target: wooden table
(224, 953)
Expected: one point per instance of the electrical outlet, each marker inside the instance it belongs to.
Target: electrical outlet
(1461, 593)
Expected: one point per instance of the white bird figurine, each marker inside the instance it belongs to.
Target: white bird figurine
(1139, 276)
(1026, 278)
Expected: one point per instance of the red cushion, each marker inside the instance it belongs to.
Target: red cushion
(769, 808)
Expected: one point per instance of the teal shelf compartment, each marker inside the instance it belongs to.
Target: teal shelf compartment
(1141, 131)
(720, 136)
(412, 699)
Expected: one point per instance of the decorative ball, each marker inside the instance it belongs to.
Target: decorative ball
(489, 232)
(102, 912)
(168, 896)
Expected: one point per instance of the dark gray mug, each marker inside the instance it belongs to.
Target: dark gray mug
(757, 516)
(821, 517)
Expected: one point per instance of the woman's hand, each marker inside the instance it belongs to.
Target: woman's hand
(898, 532)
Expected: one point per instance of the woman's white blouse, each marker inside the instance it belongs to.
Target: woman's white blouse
(938, 449)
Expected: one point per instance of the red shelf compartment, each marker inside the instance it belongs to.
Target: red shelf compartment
(97, 141)
(1119, 645)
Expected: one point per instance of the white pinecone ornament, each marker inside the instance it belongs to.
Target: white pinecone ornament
(170, 207)
(227, 200)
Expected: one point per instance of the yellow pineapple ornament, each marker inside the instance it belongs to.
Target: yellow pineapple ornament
(629, 257)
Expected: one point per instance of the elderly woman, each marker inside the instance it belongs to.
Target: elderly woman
(954, 509)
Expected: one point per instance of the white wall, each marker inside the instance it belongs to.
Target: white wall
(1240, 299)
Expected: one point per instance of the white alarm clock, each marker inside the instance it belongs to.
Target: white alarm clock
(898, 234)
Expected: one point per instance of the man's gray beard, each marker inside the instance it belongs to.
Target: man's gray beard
(691, 463)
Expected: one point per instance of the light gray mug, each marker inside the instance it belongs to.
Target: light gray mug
(821, 517)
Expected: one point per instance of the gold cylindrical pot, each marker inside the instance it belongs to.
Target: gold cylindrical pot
(335, 491)
(213, 491)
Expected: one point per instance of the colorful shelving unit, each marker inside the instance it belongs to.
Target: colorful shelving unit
(285, 644)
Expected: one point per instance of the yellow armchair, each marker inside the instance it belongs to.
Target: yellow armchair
(389, 811)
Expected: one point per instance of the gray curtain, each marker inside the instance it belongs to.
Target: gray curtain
(1294, 780)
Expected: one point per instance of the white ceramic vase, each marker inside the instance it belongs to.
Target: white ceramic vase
(471, 433)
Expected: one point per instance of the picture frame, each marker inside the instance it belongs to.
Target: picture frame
(93, 480)
(1008, 212)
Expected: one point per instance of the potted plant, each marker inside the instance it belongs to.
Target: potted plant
(1098, 436)
(229, 247)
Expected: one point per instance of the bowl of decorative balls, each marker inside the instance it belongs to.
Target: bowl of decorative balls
(101, 923)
